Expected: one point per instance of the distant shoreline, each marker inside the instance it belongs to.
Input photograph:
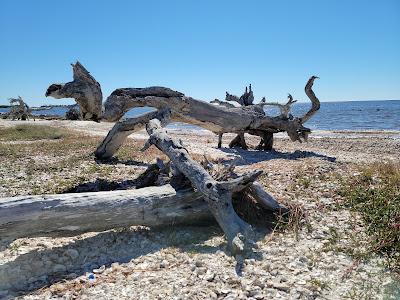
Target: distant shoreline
(333, 116)
(44, 106)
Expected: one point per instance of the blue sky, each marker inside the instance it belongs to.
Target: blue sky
(204, 48)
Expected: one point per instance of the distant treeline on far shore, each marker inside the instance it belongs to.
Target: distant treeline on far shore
(42, 107)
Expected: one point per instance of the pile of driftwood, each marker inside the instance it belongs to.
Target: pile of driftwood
(19, 110)
(178, 191)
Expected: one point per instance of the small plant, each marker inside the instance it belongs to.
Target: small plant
(334, 235)
(375, 193)
(318, 284)
(305, 182)
(13, 247)
(293, 220)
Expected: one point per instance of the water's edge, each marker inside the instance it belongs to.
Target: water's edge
(337, 116)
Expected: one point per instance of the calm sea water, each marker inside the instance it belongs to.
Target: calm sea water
(351, 115)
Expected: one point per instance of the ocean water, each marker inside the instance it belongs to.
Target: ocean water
(350, 115)
(353, 115)
(54, 111)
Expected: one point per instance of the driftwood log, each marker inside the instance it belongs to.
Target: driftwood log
(216, 118)
(216, 191)
(19, 109)
(174, 202)
(74, 213)
(207, 196)
(71, 214)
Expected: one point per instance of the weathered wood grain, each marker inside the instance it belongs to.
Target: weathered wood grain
(71, 214)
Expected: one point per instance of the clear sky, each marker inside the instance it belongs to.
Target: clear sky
(204, 48)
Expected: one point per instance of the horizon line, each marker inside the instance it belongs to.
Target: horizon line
(300, 101)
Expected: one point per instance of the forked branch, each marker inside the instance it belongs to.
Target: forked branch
(284, 108)
(218, 195)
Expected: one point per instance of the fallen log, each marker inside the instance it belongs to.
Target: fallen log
(216, 118)
(174, 106)
(74, 213)
(218, 194)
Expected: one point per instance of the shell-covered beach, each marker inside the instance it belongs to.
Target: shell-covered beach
(323, 256)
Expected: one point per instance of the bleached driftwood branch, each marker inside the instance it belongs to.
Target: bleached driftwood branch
(71, 214)
(216, 118)
(20, 110)
(84, 89)
(223, 103)
(218, 194)
(284, 108)
(174, 106)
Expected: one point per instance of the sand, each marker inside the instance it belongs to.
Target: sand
(190, 262)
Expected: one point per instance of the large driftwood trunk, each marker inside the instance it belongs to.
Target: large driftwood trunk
(84, 89)
(216, 118)
(71, 214)
(174, 106)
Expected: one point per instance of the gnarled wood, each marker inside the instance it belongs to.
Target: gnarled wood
(216, 118)
(224, 172)
(245, 100)
(174, 106)
(314, 100)
(284, 108)
(239, 141)
(19, 109)
(218, 194)
(266, 142)
(121, 130)
(84, 89)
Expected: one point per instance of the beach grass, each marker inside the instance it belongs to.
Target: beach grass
(375, 194)
(29, 132)
(38, 159)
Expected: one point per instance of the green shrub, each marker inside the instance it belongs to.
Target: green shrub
(375, 193)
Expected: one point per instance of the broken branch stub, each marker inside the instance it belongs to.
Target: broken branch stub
(284, 108)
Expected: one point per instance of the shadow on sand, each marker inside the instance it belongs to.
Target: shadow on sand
(102, 185)
(115, 160)
(107, 185)
(40, 268)
(253, 156)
